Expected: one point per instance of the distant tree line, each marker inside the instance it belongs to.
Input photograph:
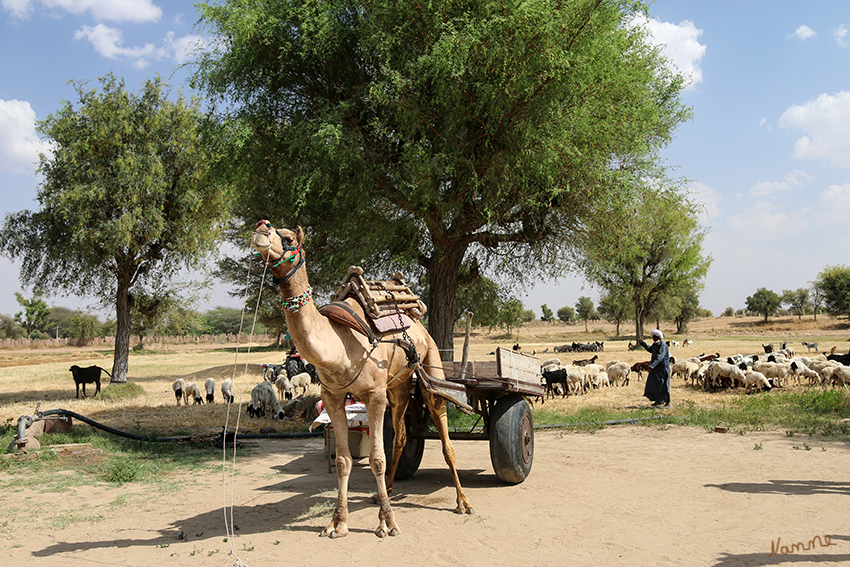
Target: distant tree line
(37, 320)
(829, 292)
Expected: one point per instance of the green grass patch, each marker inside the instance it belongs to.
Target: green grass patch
(119, 392)
(824, 413)
(123, 461)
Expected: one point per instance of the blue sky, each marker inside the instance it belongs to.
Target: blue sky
(767, 152)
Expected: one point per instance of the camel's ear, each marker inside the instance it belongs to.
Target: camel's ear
(299, 234)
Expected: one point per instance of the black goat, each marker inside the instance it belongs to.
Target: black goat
(88, 375)
(553, 377)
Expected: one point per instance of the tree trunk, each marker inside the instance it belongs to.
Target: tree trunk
(443, 277)
(121, 360)
(638, 320)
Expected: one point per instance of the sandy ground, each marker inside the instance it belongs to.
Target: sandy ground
(625, 495)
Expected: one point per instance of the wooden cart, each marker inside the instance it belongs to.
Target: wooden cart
(497, 391)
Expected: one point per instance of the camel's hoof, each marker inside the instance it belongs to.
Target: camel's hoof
(381, 533)
(394, 532)
(335, 534)
(464, 510)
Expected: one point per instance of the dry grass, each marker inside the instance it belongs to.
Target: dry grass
(32, 376)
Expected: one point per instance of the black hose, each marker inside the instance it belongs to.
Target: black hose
(230, 435)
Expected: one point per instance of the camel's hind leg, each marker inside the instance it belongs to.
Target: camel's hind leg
(399, 398)
(437, 407)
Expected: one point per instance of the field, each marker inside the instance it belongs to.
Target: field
(623, 495)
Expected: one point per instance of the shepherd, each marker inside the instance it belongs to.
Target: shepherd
(657, 387)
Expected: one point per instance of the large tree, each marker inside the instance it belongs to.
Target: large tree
(833, 283)
(125, 197)
(647, 248)
(429, 137)
(36, 313)
(764, 302)
(615, 308)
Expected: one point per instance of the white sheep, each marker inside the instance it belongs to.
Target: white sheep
(284, 386)
(840, 376)
(300, 381)
(756, 380)
(798, 368)
(576, 379)
(776, 371)
(263, 401)
(209, 386)
(227, 391)
(601, 379)
(192, 391)
(551, 361)
(618, 372)
(685, 368)
(718, 371)
(179, 386)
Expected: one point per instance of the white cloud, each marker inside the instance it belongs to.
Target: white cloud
(841, 36)
(681, 46)
(109, 42)
(182, 48)
(18, 8)
(709, 199)
(834, 204)
(794, 179)
(113, 10)
(762, 222)
(804, 32)
(19, 143)
(825, 121)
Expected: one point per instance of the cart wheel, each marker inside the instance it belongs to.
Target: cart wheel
(512, 439)
(411, 455)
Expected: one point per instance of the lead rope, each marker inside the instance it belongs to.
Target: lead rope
(229, 527)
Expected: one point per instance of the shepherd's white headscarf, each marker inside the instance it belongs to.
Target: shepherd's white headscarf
(656, 333)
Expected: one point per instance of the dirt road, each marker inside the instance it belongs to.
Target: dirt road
(630, 496)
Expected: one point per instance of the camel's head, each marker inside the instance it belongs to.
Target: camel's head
(276, 244)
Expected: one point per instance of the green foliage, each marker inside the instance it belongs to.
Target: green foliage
(728, 312)
(615, 308)
(648, 248)
(833, 284)
(764, 302)
(683, 308)
(223, 320)
(434, 137)
(82, 326)
(547, 315)
(35, 316)
(125, 198)
(585, 310)
(512, 313)
(566, 314)
(797, 300)
(9, 328)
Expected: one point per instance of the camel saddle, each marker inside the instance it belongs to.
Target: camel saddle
(374, 307)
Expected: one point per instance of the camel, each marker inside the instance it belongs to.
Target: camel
(375, 374)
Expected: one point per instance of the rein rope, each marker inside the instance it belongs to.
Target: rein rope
(229, 527)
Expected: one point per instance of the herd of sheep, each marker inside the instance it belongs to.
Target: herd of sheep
(264, 402)
(773, 369)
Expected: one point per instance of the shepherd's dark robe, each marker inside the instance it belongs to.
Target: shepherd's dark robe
(657, 387)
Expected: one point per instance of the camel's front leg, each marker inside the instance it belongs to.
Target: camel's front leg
(335, 406)
(376, 405)
(437, 407)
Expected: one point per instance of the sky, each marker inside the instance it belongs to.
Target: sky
(767, 152)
